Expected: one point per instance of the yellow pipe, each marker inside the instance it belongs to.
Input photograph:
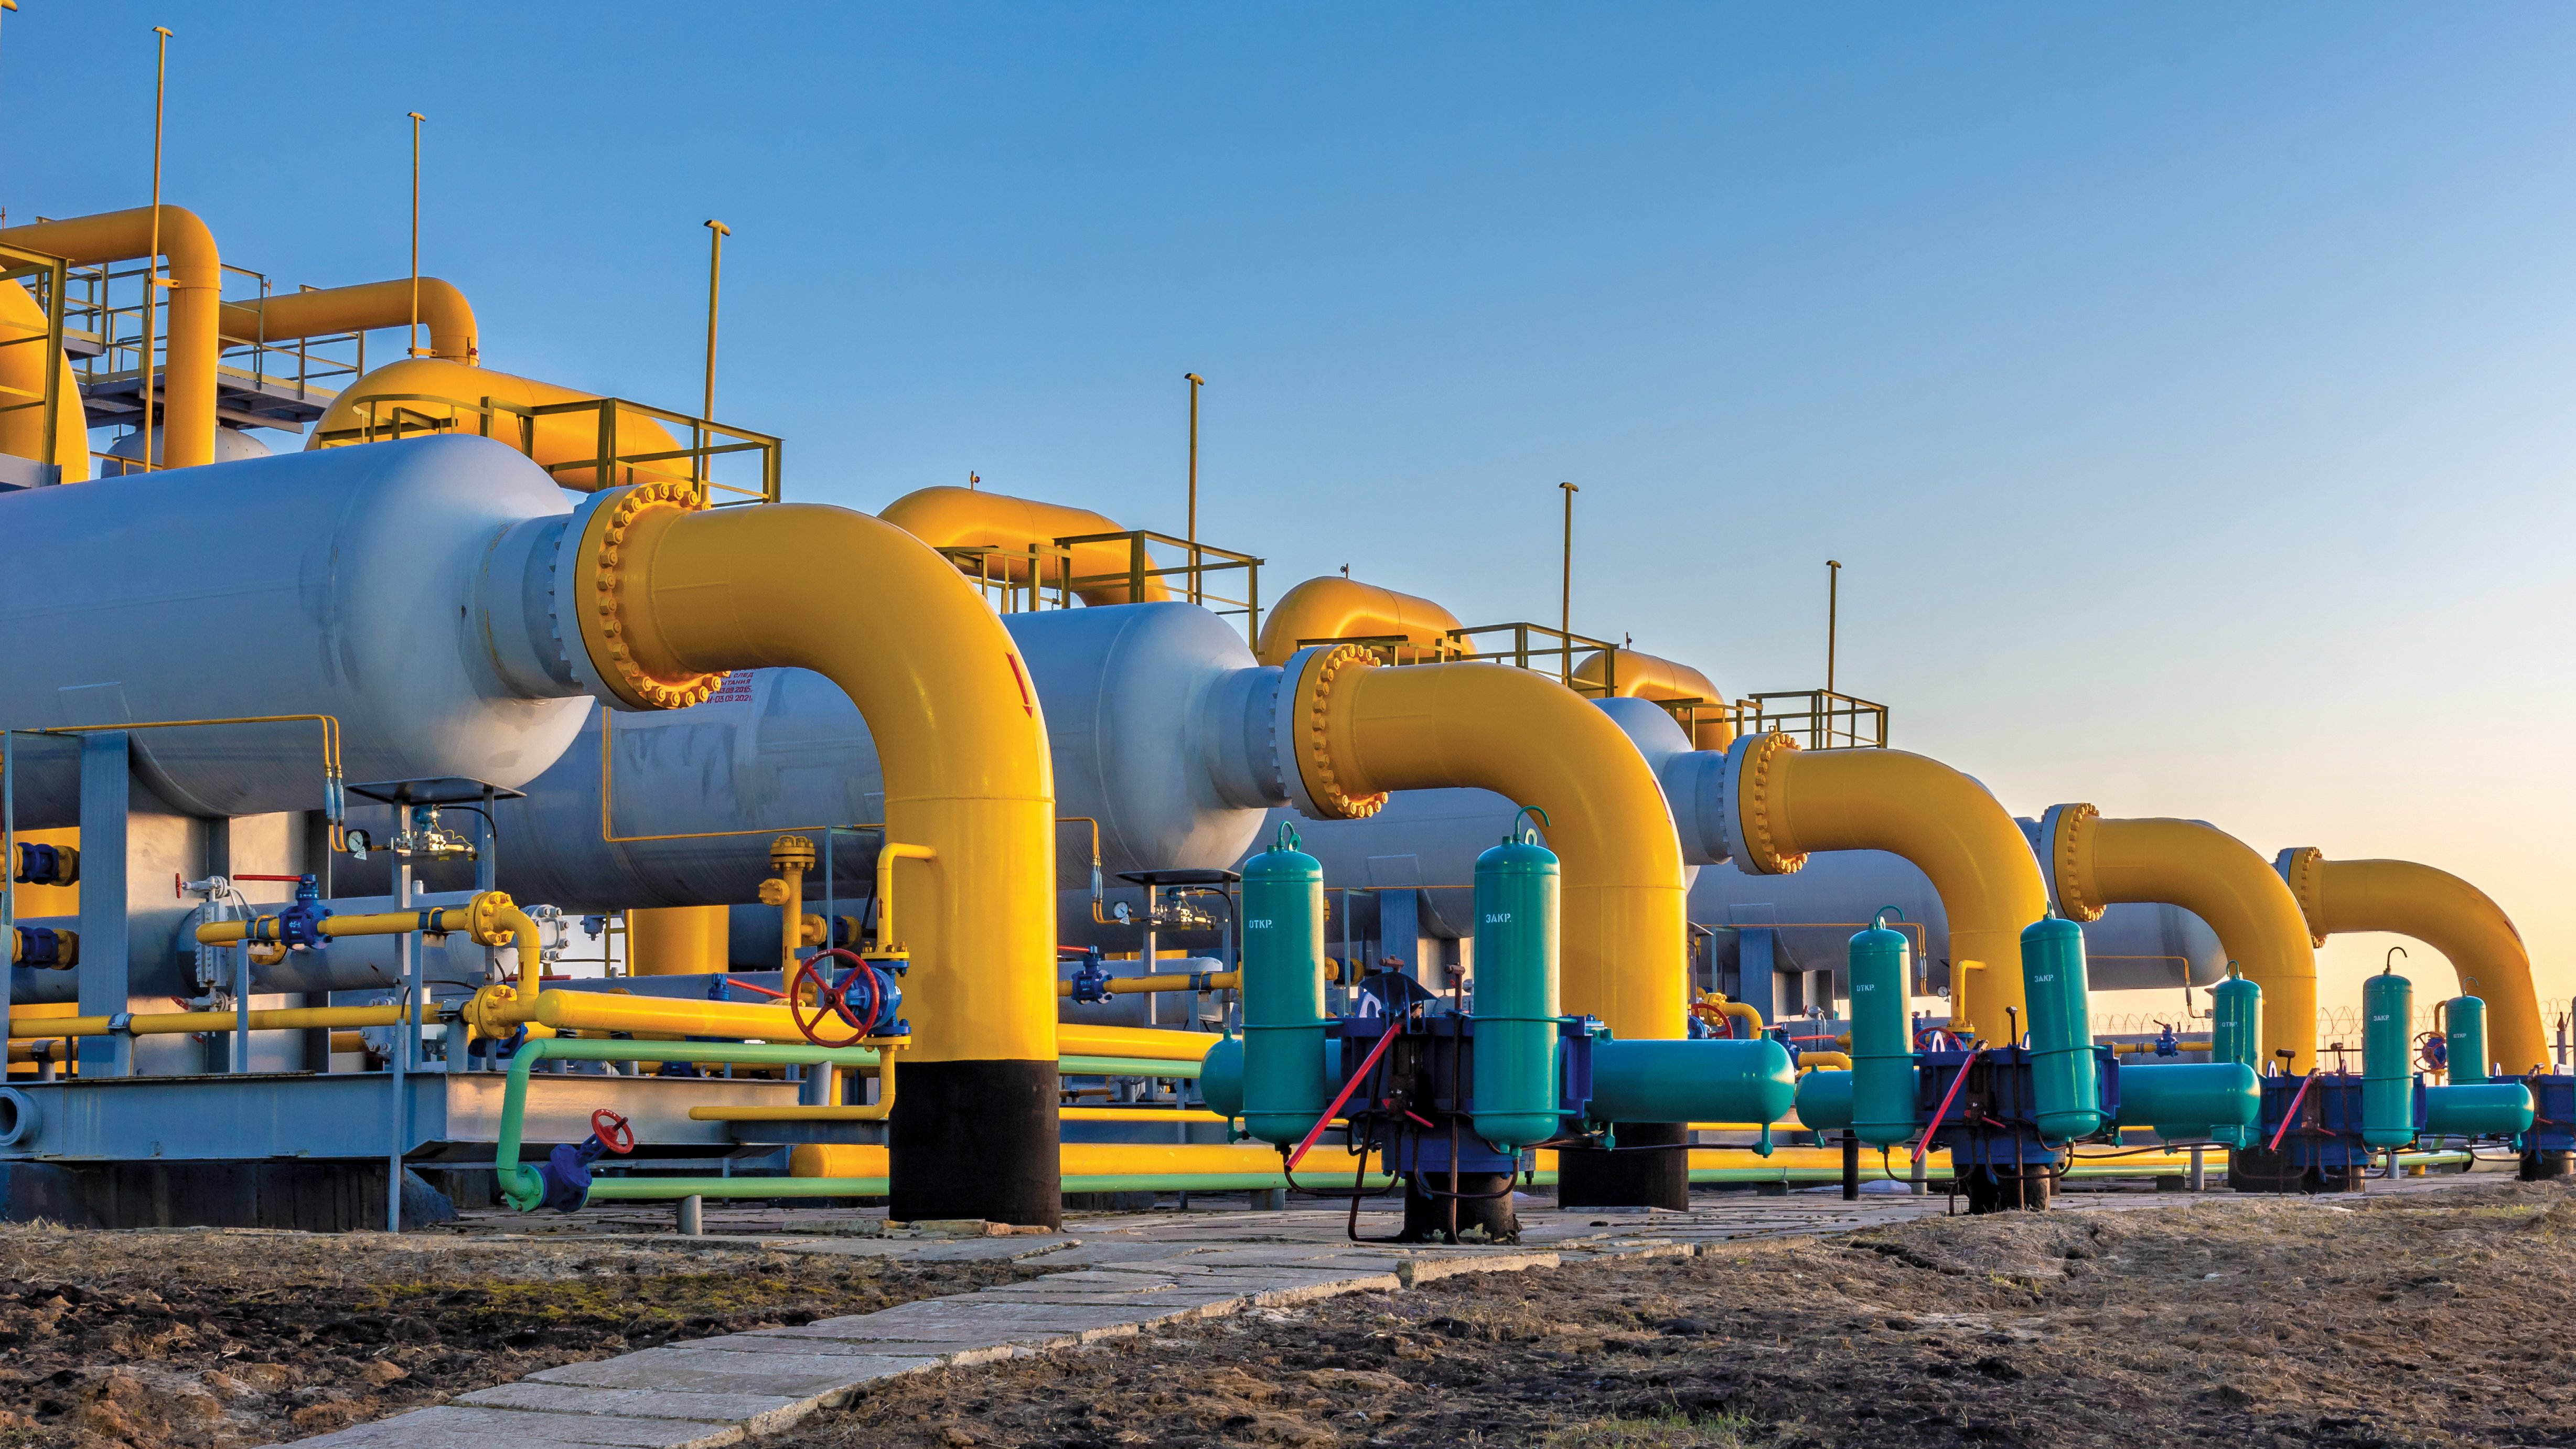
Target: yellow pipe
(879, 1110)
(969, 518)
(683, 595)
(1834, 1061)
(887, 854)
(1647, 676)
(173, 1023)
(2096, 862)
(565, 444)
(1105, 1159)
(495, 1010)
(1719, 1006)
(2442, 911)
(490, 919)
(678, 940)
(1338, 608)
(362, 308)
(196, 278)
(791, 856)
(1075, 1040)
(1139, 985)
(1365, 730)
(1790, 802)
(22, 381)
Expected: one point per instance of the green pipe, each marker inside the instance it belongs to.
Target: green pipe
(520, 1186)
(1124, 1067)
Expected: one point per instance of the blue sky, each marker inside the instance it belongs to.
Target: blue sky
(2186, 389)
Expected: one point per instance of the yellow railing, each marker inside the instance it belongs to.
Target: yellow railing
(612, 464)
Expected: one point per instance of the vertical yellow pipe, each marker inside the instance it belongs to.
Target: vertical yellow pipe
(667, 598)
(196, 277)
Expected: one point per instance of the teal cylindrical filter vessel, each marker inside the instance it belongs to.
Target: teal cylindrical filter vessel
(1514, 1078)
(2190, 1101)
(2235, 1035)
(1825, 1101)
(1882, 1048)
(2480, 1109)
(2387, 1077)
(2465, 1035)
(1284, 1087)
(2065, 1080)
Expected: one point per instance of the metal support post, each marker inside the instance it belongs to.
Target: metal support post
(1851, 1167)
(692, 1217)
(8, 883)
(2199, 1180)
(106, 956)
(406, 958)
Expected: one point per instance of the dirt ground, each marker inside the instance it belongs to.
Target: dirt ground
(2438, 1318)
(207, 1338)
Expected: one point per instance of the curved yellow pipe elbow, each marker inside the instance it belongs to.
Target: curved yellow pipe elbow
(1783, 802)
(1337, 608)
(286, 316)
(1652, 677)
(2095, 862)
(1828, 1061)
(671, 597)
(2442, 911)
(431, 397)
(196, 277)
(23, 328)
(946, 517)
(1364, 730)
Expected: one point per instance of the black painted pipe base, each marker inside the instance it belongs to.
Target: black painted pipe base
(2537, 1166)
(2257, 1169)
(975, 1140)
(1590, 1178)
(2006, 1189)
(1480, 1219)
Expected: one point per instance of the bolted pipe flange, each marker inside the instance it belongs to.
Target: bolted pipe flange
(2303, 869)
(2066, 835)
(609, 636)
(1748, 788)
(1309, 724)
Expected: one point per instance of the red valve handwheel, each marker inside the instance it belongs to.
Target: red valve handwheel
(828, 1003)
(614, 1132)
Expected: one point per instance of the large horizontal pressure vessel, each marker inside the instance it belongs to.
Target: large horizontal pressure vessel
(2189, 1101)
(1139, 723)
(343, 582)
(1710, 1080)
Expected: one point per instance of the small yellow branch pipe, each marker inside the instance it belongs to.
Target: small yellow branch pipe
(1782, 802)
(887, 855)
(1011, 527)
(490, 919)
(1829, 1061)
(791, 856)
(174, 1023)
(2093, 863)
(1362, 730)
(196, 279)
(1137, 1042)
(2442, 911)
(666, 598)
(1339, 608)
(362, 308)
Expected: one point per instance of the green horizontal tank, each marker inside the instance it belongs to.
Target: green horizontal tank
(2190, 1101)
(2480, 1109)
(1221, 1077)
(1710, 1080)
(1514, 1076)
(1824, 1101)
(1882, 1109)
(2465, 1039)
(2387, 1073)
(1284, 1088)
(2066, 1083)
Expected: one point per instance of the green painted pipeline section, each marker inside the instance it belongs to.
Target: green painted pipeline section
(1125, 1067)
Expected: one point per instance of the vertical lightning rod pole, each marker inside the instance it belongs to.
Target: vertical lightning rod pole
(152, 262)
(1565, 594)
(416, 119)
(716, 233)
(1196, 382)
(1833, 617)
